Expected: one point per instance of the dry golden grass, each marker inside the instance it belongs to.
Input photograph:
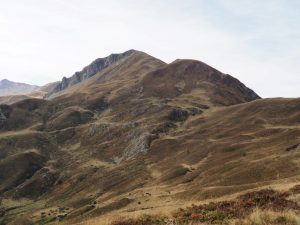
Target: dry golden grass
(269, 218)
(265, 207)
(258, 217)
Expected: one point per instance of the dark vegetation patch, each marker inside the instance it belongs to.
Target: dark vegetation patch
(293, 147)
(220, 212)
(244, 205)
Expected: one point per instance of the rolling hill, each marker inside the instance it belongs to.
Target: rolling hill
(138, 135)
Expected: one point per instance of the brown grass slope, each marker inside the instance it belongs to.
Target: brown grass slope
(183, 77)
(142, 135)
(259, 207)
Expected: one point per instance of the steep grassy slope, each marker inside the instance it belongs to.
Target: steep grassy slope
(245, 144)
(141, 135)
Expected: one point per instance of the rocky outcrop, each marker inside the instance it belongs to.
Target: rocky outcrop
(139, 144)
(4, 112)
(178, 115)
(164, 128)
(89, 71)
(2, 116)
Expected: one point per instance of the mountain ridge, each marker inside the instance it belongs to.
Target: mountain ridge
(139, 135)
(88, 71)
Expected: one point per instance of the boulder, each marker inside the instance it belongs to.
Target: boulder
(178, 115)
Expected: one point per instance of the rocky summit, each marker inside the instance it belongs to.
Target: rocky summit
(95, 67)
(131, 135)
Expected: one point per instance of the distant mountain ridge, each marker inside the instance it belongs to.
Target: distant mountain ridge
(8, 87)
(12, 92)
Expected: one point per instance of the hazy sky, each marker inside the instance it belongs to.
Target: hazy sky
(257, 41)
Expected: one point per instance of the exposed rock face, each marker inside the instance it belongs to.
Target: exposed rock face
(178, 115)
(164, 128)
(195, 111)
(2, 116)
(89, 71)
(139, 144)
(12, 88)
(4, 112)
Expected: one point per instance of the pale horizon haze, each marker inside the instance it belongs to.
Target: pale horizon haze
(256, 41)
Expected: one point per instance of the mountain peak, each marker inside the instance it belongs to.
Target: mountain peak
(186, 76)
(91, 70)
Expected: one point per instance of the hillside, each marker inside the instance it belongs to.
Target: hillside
(140, 136)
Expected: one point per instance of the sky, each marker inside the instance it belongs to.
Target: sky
(256, 41)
